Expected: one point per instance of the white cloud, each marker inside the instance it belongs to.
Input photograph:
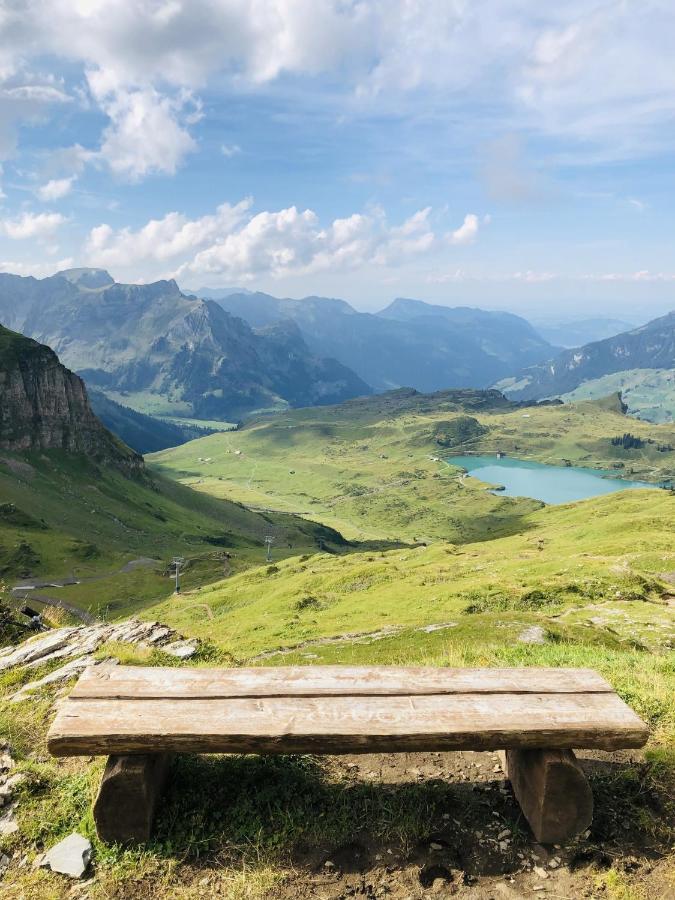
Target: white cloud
(467, 231)
(230, 150)
(145, 133)
(596, 71)
(37, 270)
(161, 240)
(531, 277)
(31, 225)
(55, 189)
(235, 242)
(293, 242)
(644, 275)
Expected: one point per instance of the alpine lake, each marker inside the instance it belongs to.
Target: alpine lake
(551, 484)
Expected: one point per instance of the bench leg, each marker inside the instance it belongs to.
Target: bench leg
(124, 810)
(553, 792)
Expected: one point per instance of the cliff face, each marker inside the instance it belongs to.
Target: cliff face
(44, 406)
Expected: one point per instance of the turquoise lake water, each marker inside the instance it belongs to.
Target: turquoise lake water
(551, 484)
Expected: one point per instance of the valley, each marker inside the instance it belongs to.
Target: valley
(376, 467)
(381, 551)
(337, 450)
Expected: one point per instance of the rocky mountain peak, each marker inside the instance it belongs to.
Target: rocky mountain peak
(45, 406)
(87, 279)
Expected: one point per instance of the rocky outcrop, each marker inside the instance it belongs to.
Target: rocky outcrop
(73, 647)
(44, 406)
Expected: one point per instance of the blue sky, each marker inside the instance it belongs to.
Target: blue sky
(507, 154)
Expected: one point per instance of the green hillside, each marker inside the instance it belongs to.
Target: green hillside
(587, 572)
(374, 467)
(648, 393)
(61, 517)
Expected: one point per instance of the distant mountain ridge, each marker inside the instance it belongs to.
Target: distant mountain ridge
(408, 344)
(578, 332)
(651, 346)
(153, 340)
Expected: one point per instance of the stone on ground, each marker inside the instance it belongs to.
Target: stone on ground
(535, 634)
(71, 856)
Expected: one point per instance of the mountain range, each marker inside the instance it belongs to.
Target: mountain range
(651, 346)
(408, 344)
(164, 349)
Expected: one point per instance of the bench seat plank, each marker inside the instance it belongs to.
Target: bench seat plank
(345, 724)
(135, 682)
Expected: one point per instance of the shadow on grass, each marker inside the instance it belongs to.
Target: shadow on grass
(293, 811)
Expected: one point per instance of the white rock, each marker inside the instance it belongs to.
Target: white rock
(181, 649)
(71, 856)
(62, 674)
(37, 648)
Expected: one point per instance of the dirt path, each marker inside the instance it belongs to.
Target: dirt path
(28, 590)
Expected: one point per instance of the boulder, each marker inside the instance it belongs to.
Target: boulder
(71, 856)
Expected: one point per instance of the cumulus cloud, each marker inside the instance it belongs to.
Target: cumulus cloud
(55, 189)
(145, 133)
(467, 231)
(161, 240)
(236, 242)
(31, 225)
(599, 72)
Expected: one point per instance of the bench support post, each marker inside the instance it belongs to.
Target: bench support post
(124, 810)
(552, 791)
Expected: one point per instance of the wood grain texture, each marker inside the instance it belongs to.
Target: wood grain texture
(124, 810)
(552, 791)
(345, 724)
(135, 682)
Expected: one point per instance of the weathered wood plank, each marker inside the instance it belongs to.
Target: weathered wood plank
(135, 682)
(552, 791)
(345, 724)
(124, 810)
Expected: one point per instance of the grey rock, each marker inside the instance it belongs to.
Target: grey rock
(8, 824)
(181, 649)
(71, 856)
(535, 634)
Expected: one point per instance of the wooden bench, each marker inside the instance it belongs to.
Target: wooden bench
(140, 716)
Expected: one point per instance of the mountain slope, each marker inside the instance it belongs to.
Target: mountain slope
(77, 504)
(409, 344)
(45, 406)
(652, 346)
(144, 434)
(151, 340)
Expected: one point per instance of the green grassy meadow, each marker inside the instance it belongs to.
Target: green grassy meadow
(453, 576)
(375, 469)
(63, 518)
(589, 572)
(648, 393)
